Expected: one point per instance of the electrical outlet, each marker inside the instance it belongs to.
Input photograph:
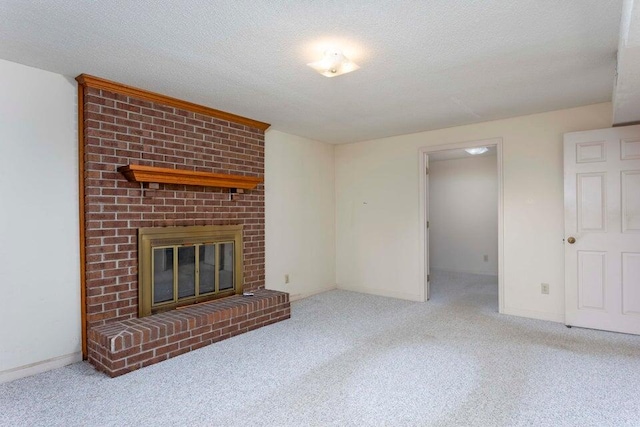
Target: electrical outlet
(544, 288)
(486, 258)
(286, 279)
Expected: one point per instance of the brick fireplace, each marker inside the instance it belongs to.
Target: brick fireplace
(123, 126)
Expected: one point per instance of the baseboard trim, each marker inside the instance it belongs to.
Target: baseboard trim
(382, 292)
(444, 270)
(296, 297)
(532, 314)
(39, 367)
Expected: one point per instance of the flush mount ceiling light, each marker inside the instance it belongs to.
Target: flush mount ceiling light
(333, 63)
(476, 150)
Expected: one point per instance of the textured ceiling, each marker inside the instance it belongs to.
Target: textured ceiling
(425, 64)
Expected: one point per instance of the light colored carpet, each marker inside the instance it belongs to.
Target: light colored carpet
(346, 359)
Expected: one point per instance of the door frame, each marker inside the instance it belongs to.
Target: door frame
(423, 161)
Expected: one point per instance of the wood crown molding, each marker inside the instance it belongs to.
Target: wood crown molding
(141, 173)
(99, 83)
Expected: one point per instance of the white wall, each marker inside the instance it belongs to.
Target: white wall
(377, 208)
(300, 214)
(39, 273)
(463, 215)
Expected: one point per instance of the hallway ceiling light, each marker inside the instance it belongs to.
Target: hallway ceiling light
(333, 63)
(476, 150)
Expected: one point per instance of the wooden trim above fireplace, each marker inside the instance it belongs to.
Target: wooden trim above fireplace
(100, 83)
(141, 173)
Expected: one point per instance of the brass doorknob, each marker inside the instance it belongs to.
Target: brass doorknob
(571, 240)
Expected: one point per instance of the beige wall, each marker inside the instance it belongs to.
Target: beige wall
(463, 215)
(39, 278)
(377, 208)
(300, 212)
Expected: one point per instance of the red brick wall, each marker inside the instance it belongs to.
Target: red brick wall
(120, 130)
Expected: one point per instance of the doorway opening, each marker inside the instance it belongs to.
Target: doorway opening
(461, 213)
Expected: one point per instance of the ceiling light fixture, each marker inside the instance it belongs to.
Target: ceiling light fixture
(477, 150)
(333, 63)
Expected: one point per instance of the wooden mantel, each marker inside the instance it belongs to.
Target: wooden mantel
(140, 173)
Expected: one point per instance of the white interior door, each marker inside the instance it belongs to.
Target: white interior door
(602, 229)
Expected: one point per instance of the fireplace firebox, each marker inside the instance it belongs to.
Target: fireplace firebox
(186, 265)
